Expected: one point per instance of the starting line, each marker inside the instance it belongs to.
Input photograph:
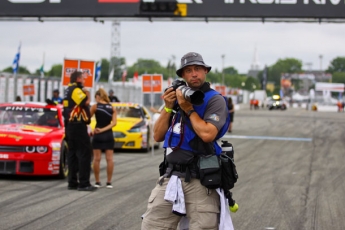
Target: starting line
(268, 138)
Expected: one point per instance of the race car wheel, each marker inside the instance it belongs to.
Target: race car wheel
(147, 149)
(63, 161)
(157, 146)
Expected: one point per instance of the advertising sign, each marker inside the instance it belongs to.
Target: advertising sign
(87, 67)
(29, 90)
(152, 83)
(184, 8)
(221, 89)
(333, 87)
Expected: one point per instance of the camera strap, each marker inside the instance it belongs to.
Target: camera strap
(181, 132)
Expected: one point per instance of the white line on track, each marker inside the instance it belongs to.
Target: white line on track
(268, 138)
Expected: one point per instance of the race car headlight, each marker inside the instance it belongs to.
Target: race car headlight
(41, 149)
(134, 130)
(30, 149)
(36, 149)
(138, 128)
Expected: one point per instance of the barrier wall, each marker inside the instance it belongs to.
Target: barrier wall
(125, 91)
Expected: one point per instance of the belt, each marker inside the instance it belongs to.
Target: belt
(180, 168)
(184, 169)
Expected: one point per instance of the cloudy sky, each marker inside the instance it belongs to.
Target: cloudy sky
(162, 40)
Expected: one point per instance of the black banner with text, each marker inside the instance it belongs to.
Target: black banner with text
(182, 8)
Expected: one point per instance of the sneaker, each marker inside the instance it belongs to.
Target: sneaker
(109, 185)
(88, 189)
(98, 184)
(72, 187)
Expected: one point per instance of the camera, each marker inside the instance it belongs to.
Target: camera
(196, 97)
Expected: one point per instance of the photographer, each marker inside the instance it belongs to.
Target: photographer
(187, 134)
(77, 116)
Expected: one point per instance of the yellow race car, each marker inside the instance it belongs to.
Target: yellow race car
(134, 127)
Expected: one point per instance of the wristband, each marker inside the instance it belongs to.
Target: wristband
(190, 112)
(168, 110)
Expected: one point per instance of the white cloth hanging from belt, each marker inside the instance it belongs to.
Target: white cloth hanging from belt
(225, 222)
(174, 194)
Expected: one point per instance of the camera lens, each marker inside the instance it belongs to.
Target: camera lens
(194, 97)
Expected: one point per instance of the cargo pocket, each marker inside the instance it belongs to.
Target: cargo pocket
(152, 197)
(208, 211)
(208, 216)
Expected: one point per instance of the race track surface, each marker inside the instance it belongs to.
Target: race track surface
(291, 167)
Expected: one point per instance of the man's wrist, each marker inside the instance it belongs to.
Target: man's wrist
(190, 112)
(168, 110)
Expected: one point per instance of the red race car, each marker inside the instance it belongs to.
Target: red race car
(32, 139)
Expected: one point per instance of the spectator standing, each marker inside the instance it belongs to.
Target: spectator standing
(231, 108)
(56, 97)
(103, 138)
(77, 117)
(112, 97)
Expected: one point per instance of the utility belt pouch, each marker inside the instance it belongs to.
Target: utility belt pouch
(229, 172)
(210, 171)
(163, 166)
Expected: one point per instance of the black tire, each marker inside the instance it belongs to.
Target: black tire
(147, 149)
(158, 145)
(63, 170)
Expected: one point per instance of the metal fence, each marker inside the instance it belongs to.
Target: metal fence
(125, 91)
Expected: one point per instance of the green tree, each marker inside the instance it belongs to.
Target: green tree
(274, 72)
(55, 71)
(38, 73)
(22, 70)
(104, 70)
(337, 65)
(119, 62)
(288, 65)
(230, 70)
(148, 66)
(251, 84)
(338, 77)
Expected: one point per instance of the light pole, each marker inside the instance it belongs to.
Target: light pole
(223, 56)
(320, 56)
(173, 65)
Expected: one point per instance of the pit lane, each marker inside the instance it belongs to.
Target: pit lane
(283, 183)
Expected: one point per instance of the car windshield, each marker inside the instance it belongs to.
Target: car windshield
(29, 116)
(129, 112)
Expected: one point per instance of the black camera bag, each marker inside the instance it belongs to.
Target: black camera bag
(210, 171)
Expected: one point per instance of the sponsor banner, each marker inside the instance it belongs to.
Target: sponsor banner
(333, 87)
(152, 83)
(87, 67)
(29, 90)
(185, 8)
(221, 89)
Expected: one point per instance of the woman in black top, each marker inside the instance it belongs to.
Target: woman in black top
(232, 113)
(103, 138)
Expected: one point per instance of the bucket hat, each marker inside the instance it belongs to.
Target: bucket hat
(191, 58)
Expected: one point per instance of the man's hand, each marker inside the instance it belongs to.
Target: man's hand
(184, 104)
(169, 98)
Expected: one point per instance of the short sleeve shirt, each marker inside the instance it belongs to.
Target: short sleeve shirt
(216, 111)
